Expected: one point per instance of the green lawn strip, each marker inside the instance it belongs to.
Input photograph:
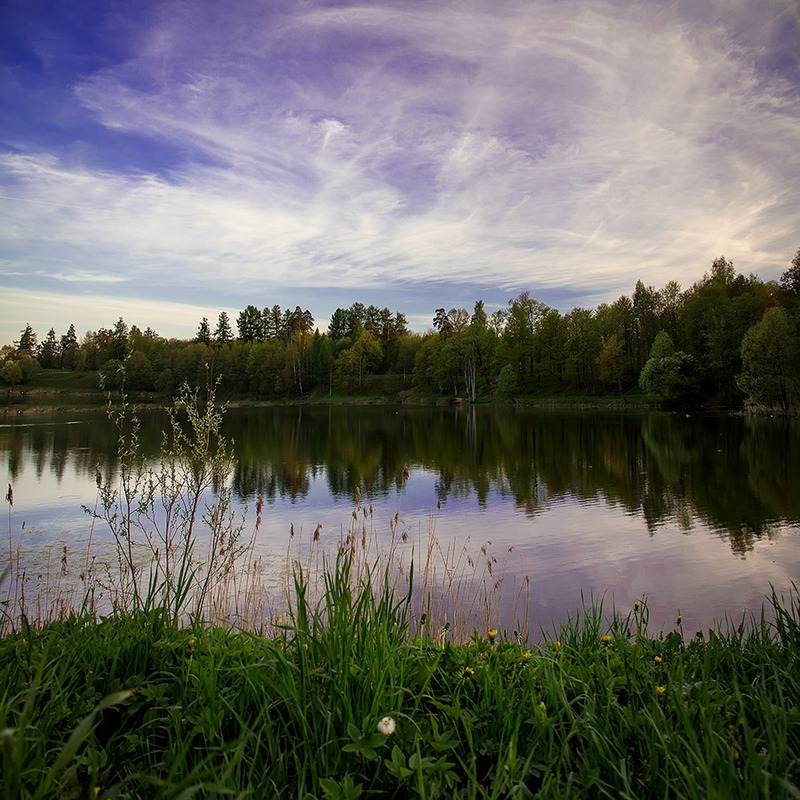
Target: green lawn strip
(130, 706)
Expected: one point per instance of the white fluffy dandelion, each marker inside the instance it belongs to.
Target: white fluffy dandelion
(386, 726)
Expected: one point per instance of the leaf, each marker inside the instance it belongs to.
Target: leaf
(76, 739)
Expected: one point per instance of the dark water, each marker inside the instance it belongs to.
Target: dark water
(700, 515)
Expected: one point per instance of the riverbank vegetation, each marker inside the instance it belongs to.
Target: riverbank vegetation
(356, 697)
(729, 340)
(383, 672)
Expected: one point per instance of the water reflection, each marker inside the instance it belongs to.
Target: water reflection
(736, 475)
(701, 513)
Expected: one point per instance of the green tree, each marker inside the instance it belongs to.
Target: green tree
(522, 319)
(69, 349)
(203, 332)
(507, 384)
(668, 376)
(27, 341)
(250, 324)
(611, 362)
(49, 352)
(138, 372)
(11, 373)
(356, 361)
(767, 378)
(223, 333)
(118, 343)
(550, 345)
(714, 316)
(583, 346)
(790, 280)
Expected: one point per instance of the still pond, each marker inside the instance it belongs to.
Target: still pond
(700, 515)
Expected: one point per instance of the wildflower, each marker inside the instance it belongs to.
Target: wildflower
(191, 643)
(636, 604)
(386, 726)
(469, 671)
(526, 654)
(657, 659)
(557, 645)
(661, 691)
(492, 634)
(606, 639)
(541, 707)
(680, 618)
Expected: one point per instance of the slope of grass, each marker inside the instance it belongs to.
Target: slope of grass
(135, 706)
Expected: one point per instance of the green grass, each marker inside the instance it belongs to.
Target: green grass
(134, 706)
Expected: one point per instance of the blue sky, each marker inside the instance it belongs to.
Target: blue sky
(163, 160)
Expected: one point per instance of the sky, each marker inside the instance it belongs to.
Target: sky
(165, 160)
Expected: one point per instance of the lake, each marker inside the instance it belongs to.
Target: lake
(699, 514)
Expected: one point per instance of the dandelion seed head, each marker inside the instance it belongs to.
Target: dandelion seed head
(386, 726)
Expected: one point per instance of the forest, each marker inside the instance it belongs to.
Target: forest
(728, 341)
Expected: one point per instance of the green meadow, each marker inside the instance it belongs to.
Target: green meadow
(352, 700)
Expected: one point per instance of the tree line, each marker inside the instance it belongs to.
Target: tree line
(729, 339)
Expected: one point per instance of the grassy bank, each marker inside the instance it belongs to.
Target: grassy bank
(55, 390)
(135, 706)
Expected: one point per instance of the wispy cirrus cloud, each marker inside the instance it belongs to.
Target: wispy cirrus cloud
(411, 154)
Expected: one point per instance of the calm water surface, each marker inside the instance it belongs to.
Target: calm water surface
(701, 514)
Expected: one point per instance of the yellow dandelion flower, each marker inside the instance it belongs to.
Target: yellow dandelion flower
(657, 659)
(469, 671)
(636, 604)
(526, 654)
(557, 645)
(661, 691)
(191, 643)
(606, 639)
(680, 618)
(492, 634)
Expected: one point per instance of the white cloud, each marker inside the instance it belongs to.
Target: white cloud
(533, 145)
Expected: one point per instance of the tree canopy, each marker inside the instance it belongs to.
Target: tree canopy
(728, 339)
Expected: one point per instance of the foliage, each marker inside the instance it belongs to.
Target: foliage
(507, 384)
(154, 513)
(670, 379)
(767, 377)
(351, 700)
(581, 351)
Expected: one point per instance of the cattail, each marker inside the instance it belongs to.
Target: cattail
(10, 495)
(317, 531)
